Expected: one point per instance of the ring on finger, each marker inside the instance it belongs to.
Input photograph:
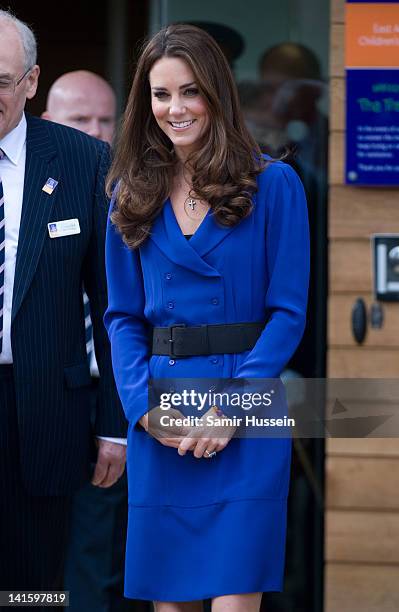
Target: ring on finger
(210, 455)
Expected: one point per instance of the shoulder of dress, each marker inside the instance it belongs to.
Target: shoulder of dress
(275, 167)
(276, 173)
(277, 183)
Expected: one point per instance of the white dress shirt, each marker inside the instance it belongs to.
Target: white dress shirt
(12, 172)
(12, 169)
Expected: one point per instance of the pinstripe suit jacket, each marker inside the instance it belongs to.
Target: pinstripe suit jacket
(52, 377)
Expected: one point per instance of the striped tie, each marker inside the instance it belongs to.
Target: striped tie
(2, 253)
(88, 326)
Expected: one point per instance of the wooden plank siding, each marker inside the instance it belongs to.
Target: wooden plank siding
(362, 483)
(338, 11)
(336, 156)
(354, 587)
(337, 49)
(351, 536)
(362, 475)
(339, 322)
(362, 362)
(350, 266)
(358, 212)
(357, 447)
(337, 101)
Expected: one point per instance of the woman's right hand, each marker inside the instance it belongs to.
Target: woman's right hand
(144, 421)
(168, 435)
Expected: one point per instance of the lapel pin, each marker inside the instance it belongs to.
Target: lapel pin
(50, 185)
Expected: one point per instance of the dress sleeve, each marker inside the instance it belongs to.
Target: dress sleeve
(287, 265)
(126, 324)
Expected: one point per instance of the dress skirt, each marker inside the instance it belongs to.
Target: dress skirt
(189, 547)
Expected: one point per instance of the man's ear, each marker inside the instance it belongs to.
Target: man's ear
(32, 82)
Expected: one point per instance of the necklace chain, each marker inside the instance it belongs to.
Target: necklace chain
(192, 205)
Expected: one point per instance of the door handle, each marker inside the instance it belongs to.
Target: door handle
(359, 320)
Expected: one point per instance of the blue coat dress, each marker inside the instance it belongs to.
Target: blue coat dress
(203, 528)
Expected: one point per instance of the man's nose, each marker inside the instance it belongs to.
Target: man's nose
(94, 128)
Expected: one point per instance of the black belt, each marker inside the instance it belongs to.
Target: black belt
(181, 341)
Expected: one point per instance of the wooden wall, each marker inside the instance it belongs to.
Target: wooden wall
(362, 476)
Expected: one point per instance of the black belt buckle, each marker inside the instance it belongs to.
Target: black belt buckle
(172, 340)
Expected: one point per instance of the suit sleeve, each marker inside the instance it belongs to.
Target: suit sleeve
(126, 324)
(287, 265)
(110, 420)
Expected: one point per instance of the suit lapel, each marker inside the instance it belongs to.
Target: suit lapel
(41, 164)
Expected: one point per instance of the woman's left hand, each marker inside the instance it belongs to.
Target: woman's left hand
(207, 438)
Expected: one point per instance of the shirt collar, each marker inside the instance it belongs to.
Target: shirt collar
(13, 142)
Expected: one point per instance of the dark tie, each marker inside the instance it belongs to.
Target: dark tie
(2, 253)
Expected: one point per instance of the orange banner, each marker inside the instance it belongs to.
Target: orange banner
(372, 35)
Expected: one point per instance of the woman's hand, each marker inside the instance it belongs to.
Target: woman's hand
(144, 421)
(168, 435)
(208, 437)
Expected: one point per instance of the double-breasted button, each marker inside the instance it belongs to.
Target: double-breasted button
(172, 362)
(168, 276)
(214, 360)
(171, 305)
(215, 301)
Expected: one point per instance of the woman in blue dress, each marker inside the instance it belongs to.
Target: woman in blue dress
(203, 233)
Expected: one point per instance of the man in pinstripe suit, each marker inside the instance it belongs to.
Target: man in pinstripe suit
(52, 218)
(94, 567)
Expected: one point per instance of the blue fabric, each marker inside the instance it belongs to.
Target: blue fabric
(185, 512)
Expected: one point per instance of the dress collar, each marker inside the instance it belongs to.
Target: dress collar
(167, 235)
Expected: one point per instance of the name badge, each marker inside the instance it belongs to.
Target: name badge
(57, 229)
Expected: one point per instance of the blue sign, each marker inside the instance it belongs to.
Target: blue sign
(372, 131)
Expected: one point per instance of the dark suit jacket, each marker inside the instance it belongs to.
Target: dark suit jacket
(52, 376)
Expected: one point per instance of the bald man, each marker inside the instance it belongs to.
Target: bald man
(95, 558)
(85, 101)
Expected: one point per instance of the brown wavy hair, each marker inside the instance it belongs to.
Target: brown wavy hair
(225, 164)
